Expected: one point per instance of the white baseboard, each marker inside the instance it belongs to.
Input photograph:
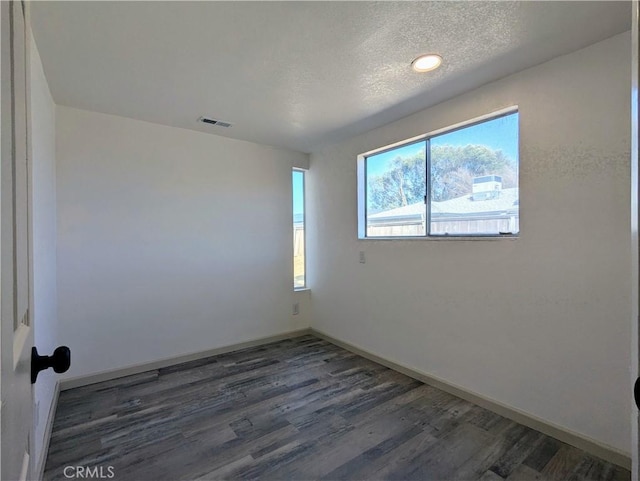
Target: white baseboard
(42, 461)
(589, 445)
(79, 381)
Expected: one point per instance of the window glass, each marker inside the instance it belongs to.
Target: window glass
(474, 179)
(299, 280)
(396, 188)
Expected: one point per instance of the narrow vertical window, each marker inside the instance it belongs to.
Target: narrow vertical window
(299, 279)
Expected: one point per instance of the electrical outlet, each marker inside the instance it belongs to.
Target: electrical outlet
(296, 308)
(362, 257)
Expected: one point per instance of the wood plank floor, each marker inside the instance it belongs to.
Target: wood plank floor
(299, 409)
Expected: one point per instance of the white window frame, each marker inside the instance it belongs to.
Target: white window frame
(362, 182)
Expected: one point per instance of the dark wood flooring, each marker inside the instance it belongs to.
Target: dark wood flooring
(300, 409)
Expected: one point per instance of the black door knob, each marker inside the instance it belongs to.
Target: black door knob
(59, 361)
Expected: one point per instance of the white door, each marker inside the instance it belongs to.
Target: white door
(16, 329)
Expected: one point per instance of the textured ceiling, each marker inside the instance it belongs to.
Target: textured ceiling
(297, 74)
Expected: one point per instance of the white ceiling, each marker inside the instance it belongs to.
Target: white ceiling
(297, 74)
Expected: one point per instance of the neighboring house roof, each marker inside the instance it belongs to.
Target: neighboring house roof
(507, 202)
(410, 210)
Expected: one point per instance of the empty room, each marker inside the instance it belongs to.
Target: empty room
(319, 240)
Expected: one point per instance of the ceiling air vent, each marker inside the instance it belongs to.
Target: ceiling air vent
(219, 123)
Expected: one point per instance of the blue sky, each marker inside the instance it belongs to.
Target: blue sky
(298, 192)
(497, 134)
(376, 164)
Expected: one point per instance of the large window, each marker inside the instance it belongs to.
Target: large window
(299, 280)
(463, 182)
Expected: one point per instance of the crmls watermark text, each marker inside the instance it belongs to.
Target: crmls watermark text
(89, 472)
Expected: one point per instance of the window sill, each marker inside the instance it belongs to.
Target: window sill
(301, 289)
(444, 238)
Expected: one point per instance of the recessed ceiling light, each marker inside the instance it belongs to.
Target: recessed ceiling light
(426, 63)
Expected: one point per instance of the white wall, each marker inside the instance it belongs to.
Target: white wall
(45, 309)
(548, 331)
(304, 318)
(170, 241)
